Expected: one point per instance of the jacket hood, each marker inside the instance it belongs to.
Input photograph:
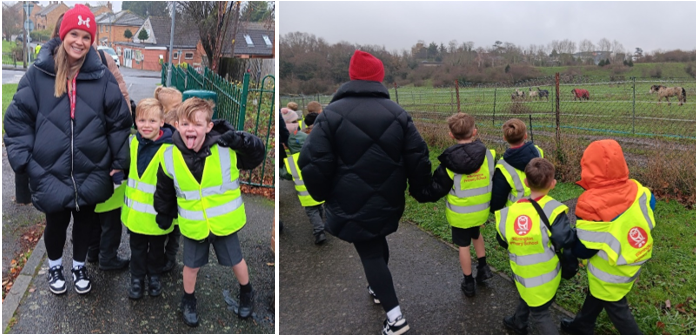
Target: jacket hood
(519, 157)
(609, 191)
(166, 138)
(92, 68)
(464, 158)
(361, 88)
(220, 126)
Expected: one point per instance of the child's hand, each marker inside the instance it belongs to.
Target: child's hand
(164, 222)
(117, 176)
(230, 139)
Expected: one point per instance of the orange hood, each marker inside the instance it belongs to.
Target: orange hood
(609, 191)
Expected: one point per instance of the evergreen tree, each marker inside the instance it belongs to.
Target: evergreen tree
(506, 70)
(128, 33)
(143, 35)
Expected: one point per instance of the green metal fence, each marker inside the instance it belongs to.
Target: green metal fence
(233, 100)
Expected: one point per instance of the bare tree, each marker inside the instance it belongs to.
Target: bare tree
(605, 45)
(586, 46)
(11, 22)
(617, 48)
(452, 46)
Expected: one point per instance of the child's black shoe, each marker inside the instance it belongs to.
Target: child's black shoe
(509, 323)
(154, 286)
(483, 273)
(191, 318)
(136, 290)
(246, 304)
(468, 286)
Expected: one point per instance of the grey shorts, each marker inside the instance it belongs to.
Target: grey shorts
(227, 250)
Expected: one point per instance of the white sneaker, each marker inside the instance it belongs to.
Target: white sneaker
(81, 280)
(56, 280)
(373, 294)
(398, 327)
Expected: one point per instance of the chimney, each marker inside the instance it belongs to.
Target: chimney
(109, 6)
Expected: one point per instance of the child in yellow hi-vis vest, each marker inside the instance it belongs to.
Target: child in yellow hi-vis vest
(465, 177)
(531, 241)
(290, 171)
(147, 240)
(198, 184)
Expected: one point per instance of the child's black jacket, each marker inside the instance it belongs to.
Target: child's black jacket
(460, 159)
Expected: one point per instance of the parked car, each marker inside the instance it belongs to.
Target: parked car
(112, 53)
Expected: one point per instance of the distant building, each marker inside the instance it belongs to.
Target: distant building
(111, 27)
(48, 16)
(596, 56)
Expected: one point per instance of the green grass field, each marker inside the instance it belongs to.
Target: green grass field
(670, 275)
(6, 50)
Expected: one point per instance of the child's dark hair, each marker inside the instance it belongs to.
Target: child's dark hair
(539, 174)
(514, 131)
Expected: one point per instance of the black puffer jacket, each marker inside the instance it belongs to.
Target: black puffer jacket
(68, 166)
(358, 157)
(518, 158)
(249, 151)
(460, 159)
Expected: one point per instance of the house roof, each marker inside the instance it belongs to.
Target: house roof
(123, 18)
(49, 9)
(98, 8)
(186, 32)
(256, 32)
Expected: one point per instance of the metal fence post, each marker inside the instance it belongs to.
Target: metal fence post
(633, 105)
(494, 109)
(557, 113)
(457, 96)
(397, 101)
(243, 102)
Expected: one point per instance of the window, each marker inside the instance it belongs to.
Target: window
(267, 41)
(175, 55)
(248, 39)
(189, 55)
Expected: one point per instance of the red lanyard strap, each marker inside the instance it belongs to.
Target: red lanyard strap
(72, 98)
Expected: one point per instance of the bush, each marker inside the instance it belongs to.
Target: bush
(128, 33)
(143, 35)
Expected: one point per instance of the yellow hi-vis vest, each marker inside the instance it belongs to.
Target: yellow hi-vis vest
(301, 125)
(114, 202)
(213, 206)
(532, 256)
(624, 245)
(303, 195)
(468, 202)
(139, 214)
(515, 179)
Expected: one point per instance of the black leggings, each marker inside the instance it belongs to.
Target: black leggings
(57, 225)
(374, 256)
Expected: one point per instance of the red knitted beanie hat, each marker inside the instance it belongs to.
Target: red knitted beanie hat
(79, 17)
(364, 66)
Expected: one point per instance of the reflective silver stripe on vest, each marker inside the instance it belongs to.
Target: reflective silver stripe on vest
(538, 280)
(533, 259)
(518, 184)
(142, 186)
(468, 209)
(294, 171)
(503, 222)
(604, 238)
(189, 195)
(549, 208)
(211, 212)
(140, 207)
(460, 193)
(621, 260)
(643, 207)
(607, 277)
(303, 193)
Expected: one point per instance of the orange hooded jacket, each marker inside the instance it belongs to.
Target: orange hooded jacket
(608, 190)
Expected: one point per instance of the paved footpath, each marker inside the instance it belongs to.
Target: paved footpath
(323, 289)
(107, 309)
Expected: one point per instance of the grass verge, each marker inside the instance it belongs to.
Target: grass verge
(662, 300)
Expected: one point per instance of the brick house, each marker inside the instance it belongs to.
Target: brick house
(146, 54)
(111, 27)
(47, 17)
(19, 10)
(101, 9)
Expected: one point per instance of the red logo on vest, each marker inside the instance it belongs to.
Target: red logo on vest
(637, 237)
(522, 226)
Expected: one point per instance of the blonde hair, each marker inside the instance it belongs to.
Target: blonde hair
(292, 105)
(171, 115)
(168, 97)
(192, 105)
(514, 131)
(149, 106)
(314, 106)
(63, 69)
(461, 126)
(539, 174)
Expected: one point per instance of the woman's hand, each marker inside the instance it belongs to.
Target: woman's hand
(116, 176)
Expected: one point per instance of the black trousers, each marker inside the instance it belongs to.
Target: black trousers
(172, 244)
(147, 255)
(617, 311)
(106, 235)
(374, 256)
(57, 225)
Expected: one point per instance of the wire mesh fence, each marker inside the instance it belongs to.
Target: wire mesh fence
(564, 114)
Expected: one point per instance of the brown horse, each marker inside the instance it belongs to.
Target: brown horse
(666, 92)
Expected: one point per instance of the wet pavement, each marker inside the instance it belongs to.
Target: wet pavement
(323, 288)
(107, 309)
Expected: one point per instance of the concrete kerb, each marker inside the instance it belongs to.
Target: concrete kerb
(14, 297)
(494, 270)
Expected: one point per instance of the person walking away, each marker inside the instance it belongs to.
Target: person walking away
(361, 170)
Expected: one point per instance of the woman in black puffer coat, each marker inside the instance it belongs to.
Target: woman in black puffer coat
(358, 158)
(67, 127)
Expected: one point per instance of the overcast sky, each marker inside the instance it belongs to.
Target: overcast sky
(116, 5)
(399, 25)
